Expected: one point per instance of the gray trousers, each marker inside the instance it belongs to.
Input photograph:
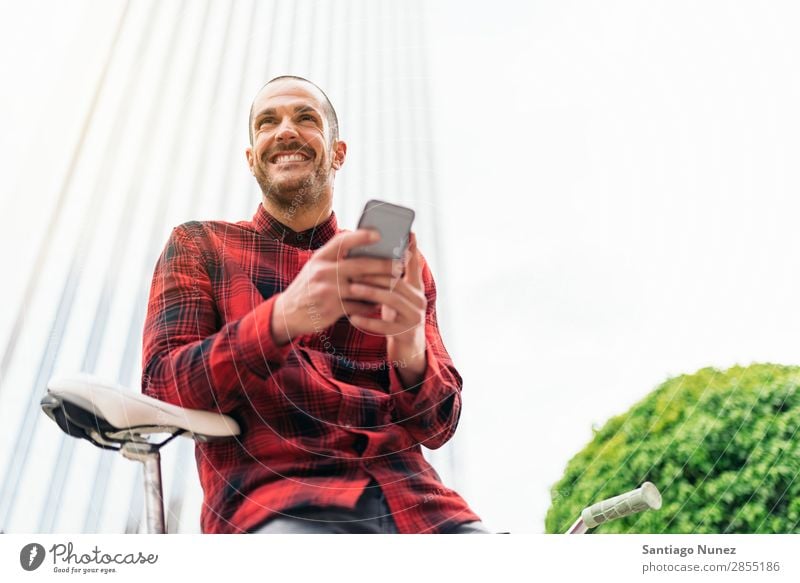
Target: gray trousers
(370, 516)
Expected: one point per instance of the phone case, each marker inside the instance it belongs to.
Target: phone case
(394, 224)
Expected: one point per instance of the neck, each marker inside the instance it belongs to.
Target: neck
(300, 218)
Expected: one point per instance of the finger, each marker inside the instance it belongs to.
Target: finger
(415, 296)
(414, 272)
(388, 314)
(378, 327)
(355, 307)
(341, 243)
(398, 267)
(404, 308)
(365, 265)
(384, 281)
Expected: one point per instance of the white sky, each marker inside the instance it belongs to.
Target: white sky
(620, 196)
(622, 193)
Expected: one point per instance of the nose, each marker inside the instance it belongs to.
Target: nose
(286, 131)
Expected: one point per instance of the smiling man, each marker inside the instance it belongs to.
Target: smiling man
(333, 366)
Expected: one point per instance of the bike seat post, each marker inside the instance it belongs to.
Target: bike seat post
(148, 454)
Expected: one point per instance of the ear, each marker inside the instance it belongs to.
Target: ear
(339, 154)
(250, 158)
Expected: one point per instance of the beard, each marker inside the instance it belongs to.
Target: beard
(292, 194)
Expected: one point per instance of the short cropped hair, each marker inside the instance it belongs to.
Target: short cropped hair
(330, 113)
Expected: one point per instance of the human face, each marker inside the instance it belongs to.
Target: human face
(291, 157)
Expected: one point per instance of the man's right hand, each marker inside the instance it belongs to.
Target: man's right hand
(318, 296)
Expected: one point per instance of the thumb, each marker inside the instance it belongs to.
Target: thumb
(414, 271)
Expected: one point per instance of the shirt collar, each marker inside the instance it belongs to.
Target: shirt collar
(312, 238)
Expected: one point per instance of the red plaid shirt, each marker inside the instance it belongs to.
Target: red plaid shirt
(319, 416)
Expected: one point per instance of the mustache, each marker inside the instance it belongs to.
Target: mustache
(293, 148)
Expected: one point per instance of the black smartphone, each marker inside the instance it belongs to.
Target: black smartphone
(394, 224)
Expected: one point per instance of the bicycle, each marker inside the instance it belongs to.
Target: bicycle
(113, 417)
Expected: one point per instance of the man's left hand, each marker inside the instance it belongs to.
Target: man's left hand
(402, 321)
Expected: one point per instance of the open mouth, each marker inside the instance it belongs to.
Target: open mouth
(285, 158)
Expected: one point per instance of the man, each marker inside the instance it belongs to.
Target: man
(333, 367)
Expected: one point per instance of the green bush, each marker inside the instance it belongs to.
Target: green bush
(722, 446)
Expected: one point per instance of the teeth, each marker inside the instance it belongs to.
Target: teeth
(289, 158)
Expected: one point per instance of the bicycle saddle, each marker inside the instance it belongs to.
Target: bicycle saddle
(110, 415)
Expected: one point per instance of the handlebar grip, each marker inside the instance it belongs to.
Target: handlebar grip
(644, 498)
